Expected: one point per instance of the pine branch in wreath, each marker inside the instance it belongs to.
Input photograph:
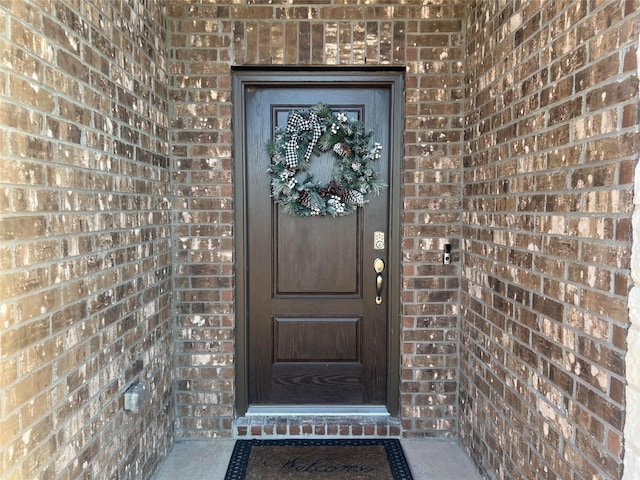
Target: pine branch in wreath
(327, 141)
(322, 110)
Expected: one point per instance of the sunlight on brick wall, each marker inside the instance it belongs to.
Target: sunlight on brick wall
(520, 148)
(552, 142)
(85, 284)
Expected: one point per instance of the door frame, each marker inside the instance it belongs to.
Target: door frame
(391, 77)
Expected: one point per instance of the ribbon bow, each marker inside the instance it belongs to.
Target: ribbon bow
(295, 124)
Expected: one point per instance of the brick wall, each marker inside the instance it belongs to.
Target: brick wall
(548, 91)
(85, 283)
(551, 109)
(205, 40)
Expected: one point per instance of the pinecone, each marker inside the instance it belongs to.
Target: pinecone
(342, 149)
(354, 198)
(304, 198)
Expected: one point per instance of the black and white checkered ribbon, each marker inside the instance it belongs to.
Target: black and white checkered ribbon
(297, 123)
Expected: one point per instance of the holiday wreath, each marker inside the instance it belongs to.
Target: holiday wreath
(319, 129)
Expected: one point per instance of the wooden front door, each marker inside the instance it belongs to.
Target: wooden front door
(315, 334)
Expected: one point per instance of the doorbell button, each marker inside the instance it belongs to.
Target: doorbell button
(446, 256)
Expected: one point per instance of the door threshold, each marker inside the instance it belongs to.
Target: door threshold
(318, 410)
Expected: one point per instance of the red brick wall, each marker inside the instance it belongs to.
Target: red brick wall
(205, 41)
(545, 93)
(551, 109)
(85, 225)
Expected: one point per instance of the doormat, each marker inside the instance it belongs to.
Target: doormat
(321, 459)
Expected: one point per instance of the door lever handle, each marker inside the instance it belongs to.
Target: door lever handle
(378, 267)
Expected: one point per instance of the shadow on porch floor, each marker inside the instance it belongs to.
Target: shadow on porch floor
(207, 459)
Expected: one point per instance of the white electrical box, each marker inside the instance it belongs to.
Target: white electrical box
(135, 396)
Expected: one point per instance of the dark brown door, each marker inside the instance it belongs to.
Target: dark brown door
(315, 333)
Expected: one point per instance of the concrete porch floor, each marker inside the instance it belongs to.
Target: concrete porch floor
(207, 459)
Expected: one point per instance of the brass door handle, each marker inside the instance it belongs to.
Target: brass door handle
(378, 267)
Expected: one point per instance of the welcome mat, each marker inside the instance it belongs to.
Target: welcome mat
(318, 459)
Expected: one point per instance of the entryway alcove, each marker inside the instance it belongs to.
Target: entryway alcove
(121, 243)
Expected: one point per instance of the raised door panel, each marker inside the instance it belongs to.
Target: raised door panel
(317, 256)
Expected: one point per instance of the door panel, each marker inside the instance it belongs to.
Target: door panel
(313, 339)
(315, 333)
(325, 263)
